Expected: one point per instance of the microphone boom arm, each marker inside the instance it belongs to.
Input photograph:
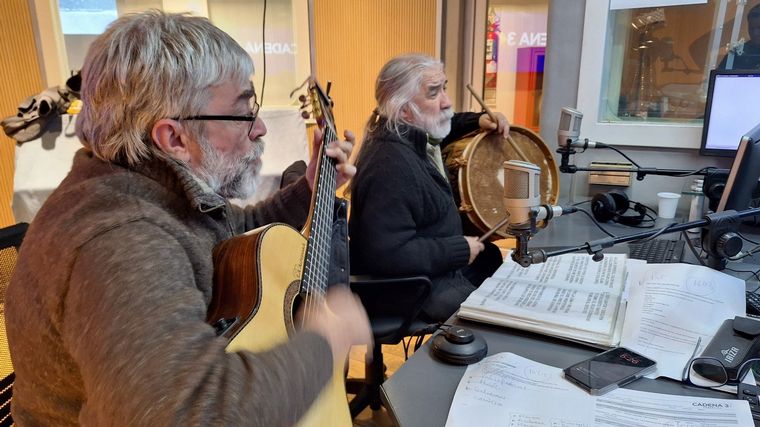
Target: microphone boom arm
(566, 167)
(717, 239)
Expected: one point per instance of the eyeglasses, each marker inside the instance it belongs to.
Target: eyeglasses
(708, 372)
(254, 105)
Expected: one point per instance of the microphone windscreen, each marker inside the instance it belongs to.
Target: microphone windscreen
(522, 189)
(516, 183)
(569, 126)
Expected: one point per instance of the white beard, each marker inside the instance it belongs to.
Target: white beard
(438, 126)
(235, 177)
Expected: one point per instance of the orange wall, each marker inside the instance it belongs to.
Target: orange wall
(19, 78)
(355, 38)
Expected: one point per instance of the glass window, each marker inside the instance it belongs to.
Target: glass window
(644, 70)
(660, 58)
(514, 59)
(86, 16)
(285, 43)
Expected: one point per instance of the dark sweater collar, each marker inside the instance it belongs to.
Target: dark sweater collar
(415, 137)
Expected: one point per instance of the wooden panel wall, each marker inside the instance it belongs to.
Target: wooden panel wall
(353, 40)
(19, 78)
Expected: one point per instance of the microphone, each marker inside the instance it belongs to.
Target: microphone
(570, 130)
(522, 201)
(522, 196)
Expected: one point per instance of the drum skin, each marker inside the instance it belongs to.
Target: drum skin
(476, 172)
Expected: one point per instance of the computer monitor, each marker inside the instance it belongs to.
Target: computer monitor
(718, 238)
(744, 174)
(731, 110)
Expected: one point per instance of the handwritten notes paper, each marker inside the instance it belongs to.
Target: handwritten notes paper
(506, 389)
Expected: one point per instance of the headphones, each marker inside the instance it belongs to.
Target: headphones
(459, 346)
(613, 205)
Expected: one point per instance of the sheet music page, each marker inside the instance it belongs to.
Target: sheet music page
(545, 305)
(570, 293)
(671, 305)
(569, 269)
(507, 389)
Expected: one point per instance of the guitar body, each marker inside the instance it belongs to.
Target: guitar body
(257, 278)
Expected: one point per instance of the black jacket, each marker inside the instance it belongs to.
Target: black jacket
(403, 218)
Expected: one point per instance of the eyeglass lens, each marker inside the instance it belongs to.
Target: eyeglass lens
(706, 372)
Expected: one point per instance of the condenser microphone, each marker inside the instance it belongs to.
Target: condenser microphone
(522, 201)
(522, 196)
(568, 134)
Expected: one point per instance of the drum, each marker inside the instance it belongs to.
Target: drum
(475, 170)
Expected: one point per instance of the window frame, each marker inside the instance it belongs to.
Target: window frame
(593, 79)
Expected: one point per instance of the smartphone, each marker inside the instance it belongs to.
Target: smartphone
(609, 370)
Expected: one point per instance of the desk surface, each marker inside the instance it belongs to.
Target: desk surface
(421, 391)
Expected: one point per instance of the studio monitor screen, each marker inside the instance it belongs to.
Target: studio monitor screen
(731, 110)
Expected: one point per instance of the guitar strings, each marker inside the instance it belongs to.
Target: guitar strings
(316, 269)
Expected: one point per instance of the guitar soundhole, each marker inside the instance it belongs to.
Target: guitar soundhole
(292, 302)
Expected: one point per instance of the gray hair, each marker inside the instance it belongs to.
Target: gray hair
(150, 66)
(398, 83)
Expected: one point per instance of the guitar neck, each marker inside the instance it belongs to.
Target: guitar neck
(319, 226)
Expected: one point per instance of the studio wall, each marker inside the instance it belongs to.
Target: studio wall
(19, 78)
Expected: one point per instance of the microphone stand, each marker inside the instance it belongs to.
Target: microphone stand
(566, 167)
(718, 239)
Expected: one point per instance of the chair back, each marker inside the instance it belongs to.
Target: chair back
(10, 241)
(393, 304)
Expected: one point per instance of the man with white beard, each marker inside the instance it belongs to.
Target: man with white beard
(106, 312)
(403, 217)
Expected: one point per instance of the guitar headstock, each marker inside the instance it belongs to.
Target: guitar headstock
(317, 104)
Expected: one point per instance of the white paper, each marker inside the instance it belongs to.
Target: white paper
(670, 306)
(570, 269)
(568, 296)
(506, 389)
(491, 392)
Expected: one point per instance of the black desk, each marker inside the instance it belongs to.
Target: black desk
(420, 393)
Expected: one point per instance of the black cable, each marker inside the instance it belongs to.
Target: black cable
(655, 235)
(651, 219)
(619, 152)
(263, 51)
(648, 218)
(649, 209)
(694, 172)
(596, 223)
(690, 244)
(754, 273)
(420, 334)
(746, 254)
(744, 238)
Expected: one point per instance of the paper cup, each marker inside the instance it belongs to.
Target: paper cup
(668, 202)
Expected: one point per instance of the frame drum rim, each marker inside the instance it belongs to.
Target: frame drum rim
(464, 181)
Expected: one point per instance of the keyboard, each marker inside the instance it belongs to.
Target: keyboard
(658, 251)
(753, 304)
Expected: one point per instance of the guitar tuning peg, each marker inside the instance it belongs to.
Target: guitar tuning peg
(302, 98)
(305, 115)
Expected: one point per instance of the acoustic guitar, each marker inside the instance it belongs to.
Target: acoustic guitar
(263, 276)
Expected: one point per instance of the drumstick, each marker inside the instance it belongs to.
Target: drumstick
(495, 120)
(488, 234)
